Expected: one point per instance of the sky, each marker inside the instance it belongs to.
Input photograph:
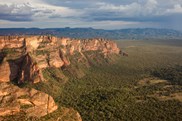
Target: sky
(99, 14)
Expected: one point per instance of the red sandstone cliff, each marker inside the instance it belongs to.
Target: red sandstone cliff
(23, 58)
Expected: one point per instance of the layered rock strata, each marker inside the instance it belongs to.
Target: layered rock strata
(23, 58)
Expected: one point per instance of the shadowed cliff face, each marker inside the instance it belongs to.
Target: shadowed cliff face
(23, 69)
(23, 58)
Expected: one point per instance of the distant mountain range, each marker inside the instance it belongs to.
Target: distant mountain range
(138, 33)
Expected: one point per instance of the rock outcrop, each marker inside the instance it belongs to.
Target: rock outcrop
(22, 58)
(14, 99)
(5, 72)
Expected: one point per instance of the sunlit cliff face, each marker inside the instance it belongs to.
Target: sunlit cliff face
(23, 58)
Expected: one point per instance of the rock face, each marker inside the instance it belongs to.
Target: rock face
(22, 58)
(34, 103)
(5, 72)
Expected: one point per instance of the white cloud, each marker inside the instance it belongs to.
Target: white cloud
(41, 9)
(95, 13)
(36, 9)
(16, 12)
(142, 8)
(150, 7)
(176, 9)
(133, 9)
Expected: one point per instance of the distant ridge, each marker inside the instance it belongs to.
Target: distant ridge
(132, 33)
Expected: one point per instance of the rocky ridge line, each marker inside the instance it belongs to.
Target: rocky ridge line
(24, 58)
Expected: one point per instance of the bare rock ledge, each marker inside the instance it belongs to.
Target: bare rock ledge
(14, 99)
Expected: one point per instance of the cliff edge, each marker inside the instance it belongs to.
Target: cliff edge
(23, 58)
(34, 59)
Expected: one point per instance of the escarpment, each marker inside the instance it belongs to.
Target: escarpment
(34, 59)
(24, 58)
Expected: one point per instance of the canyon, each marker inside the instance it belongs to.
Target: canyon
(24, 58)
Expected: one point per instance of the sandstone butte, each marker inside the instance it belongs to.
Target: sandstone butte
(22, 58)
